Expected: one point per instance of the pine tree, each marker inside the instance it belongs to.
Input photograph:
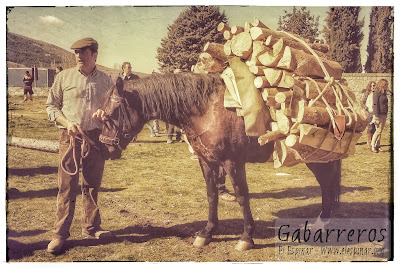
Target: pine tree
(300, 22)
(380, 41)
(343, 34)
(187, 36)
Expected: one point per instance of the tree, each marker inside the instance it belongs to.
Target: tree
(380, 41)
(343, 34)
(187, 36)
(300, 22)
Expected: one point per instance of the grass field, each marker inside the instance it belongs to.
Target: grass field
(154, 200)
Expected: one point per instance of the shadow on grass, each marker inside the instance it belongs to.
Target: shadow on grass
(302, 193)
(13, 233)
(45, 170)
(142, 233)
(14, 193)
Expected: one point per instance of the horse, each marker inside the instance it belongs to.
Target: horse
(195, 103)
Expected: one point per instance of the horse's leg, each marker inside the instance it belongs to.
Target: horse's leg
(236, 171)
(210, 173)
(328, 176)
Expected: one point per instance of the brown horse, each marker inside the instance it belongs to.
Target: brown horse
(195, 103)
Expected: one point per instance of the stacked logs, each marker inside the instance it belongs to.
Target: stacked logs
(303, 89)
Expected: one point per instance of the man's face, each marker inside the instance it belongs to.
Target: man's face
(85, 58)
(128, 69)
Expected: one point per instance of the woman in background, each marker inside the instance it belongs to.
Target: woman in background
(367, 104)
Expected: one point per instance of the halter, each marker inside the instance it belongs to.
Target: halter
(124, 124)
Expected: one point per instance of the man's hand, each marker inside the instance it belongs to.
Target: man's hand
(73, 129)
(100, 115)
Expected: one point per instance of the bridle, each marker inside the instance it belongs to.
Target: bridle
(123, 128)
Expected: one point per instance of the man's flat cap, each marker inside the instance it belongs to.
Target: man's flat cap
(86, 42)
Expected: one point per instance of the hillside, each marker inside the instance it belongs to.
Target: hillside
(26, 52)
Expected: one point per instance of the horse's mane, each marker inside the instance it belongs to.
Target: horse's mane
(173, 95)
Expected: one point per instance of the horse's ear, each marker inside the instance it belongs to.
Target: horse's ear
(119, 84)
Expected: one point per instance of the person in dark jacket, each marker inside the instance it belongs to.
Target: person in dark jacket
(28, 80)
(128, 76)
(380, 111)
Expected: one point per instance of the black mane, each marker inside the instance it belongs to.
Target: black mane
(173, 95)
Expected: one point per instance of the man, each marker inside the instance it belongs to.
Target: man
(127, 72)
(28, 80)
(128, 75)
(75, 95)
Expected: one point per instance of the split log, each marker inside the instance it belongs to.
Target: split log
(257, 23)
(222, 27)
(304, 64)
(272, 113)
(261, 82)
(247, 27)
(285, 156)
(227, 48)
(216, 50)
(291, 140)
(235, 30)
(242, 45)
(274, 126)
(258, 48)
(228, 35)
(289, 95)
(257, 70)
(279, 78)
(271, 37)
(258, 33)
(198, 69)
(41, 145)
(210, 64)
(272, 56)
(270, 136)
(284, 124)
(273, 76)
(268, 58)
(271, 40)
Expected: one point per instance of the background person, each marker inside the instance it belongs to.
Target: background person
(367, 104)
(75, 95)
(28, 80)
(380, 111)
(127, 75)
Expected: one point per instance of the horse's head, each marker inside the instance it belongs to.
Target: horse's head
(122, 121)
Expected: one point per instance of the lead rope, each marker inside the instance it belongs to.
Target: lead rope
(85, 149)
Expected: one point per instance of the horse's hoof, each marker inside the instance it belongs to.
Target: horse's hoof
(244, 245)
(201, 241)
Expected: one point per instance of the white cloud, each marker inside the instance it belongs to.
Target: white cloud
(50, 19)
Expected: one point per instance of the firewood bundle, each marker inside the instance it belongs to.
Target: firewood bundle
(303, 89)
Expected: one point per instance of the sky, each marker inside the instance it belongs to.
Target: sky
(130, 33)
